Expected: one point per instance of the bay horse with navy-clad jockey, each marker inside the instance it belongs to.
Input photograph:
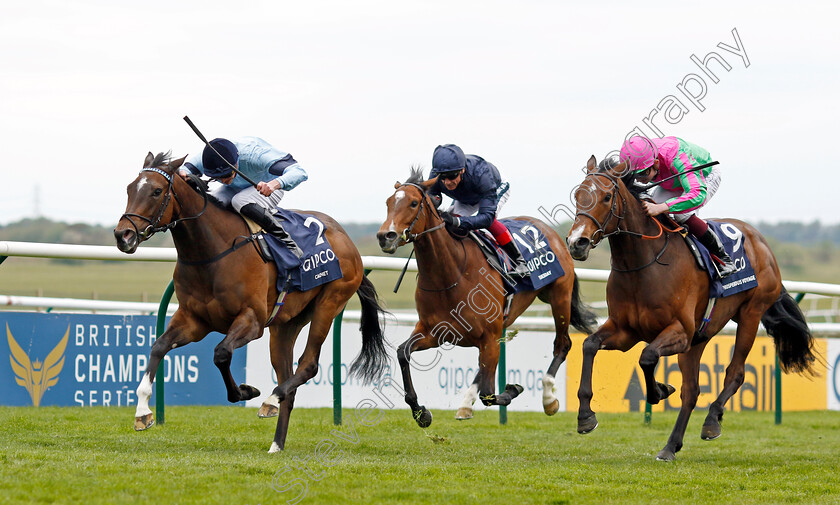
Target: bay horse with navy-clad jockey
(657, 294)
(224, 285)
(451, 274)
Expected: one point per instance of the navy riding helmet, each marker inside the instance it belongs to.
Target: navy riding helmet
(447, 158)
(214, 166)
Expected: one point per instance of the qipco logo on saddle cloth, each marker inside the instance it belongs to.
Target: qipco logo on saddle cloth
(737, 238)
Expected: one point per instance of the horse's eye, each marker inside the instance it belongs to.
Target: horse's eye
(415, 203)
(607, 197)
(157, 192)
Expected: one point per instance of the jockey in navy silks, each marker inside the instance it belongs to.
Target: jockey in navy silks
(274, 171)
(479, 192)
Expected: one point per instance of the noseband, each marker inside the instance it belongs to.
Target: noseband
(153, 222)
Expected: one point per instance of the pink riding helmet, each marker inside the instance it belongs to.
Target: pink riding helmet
(639, 152)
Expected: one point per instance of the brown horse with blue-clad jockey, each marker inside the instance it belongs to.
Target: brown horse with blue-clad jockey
(224, 283)
(461, 299)
(657, 293)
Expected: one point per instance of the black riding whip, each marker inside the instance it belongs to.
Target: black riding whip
(657, 183)
(402, 274)
(195, 129)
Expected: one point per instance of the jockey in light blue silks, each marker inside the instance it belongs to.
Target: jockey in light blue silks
(274, 171)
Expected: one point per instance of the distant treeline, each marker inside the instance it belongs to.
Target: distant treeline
(48, 231)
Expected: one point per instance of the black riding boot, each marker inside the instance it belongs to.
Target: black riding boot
(714, 245)
(519, 266)
(271, 224)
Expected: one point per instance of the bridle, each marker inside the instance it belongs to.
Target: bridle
(153, 222)
(407, 236)
(602, 227)
(620, 218)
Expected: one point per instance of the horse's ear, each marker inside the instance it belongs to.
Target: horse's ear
(397, 185)
(149, 158)
(591, 164)
(621, 169)
(175, 164)
(428, 184)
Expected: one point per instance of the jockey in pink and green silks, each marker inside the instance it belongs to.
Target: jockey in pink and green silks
(657, 159)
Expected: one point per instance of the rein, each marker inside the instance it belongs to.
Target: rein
(618, 230)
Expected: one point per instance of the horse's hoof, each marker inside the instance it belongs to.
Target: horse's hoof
(274, 448)
(144, 422)
(552, 408)
(247, 392)
(710, 431)
(587, 424)
(514, 390)
(267, 410)
(666, 455)
(663, 391)
(464, 413)
(423, 417)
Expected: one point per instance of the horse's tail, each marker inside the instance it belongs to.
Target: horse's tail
(785, 322)
(582, 316)
(372, 359)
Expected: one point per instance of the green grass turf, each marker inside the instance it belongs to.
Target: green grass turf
(218, 455)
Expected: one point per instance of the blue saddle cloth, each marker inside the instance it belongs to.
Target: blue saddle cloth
(319, 264)
(541, 259)
(733, 241)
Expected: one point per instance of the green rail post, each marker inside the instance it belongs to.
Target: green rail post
(648, 412)
(160, 409)
(337, 368)
(502, 376)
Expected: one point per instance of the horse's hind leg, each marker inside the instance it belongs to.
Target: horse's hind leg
(179, 333)
(465, 411)
(244, 329)
(282, 346)
(690, 368)
(744, 339)
(561, 309)
(418, 341)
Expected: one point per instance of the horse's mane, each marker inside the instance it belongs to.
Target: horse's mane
(161, 159)
(195, 182)
(629, 179)
(416, 176)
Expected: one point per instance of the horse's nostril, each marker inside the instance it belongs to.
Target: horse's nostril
(391, 235)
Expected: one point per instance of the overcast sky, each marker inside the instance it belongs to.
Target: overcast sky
(360, 91)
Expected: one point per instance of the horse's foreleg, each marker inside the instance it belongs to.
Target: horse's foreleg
(672, 340)
(244, 329)
(607, 337)
(744, 339)
(177, 334)
(418, 341)
(690, 368)
(488, 360)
